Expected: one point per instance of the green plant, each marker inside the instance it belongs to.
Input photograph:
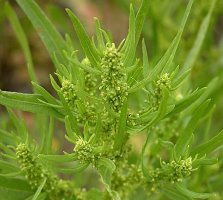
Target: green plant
(104, 99)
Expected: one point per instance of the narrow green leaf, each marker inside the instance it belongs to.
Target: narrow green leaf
(185, 136)
(19, 125)
(186, 102)
(191, 194)
(48, 137)
(47, 32)
(26, 102)
(46, 95)
(212, 86)
(22, 39)
(54, 84)
(70, 132)
(106, 168)
(129, 54)
(14, 184)
(42, 196)
(178, 37)
(99, 35)
(209, 146)
(204, 161)
(162, 109)
(145, 60)
(168, 57)
(98, 129)
(180, 79)
(84, 67)
(133, 67)
(174, 194)
(79, 167)
(140, 19)
(8, 166)
(38, 191)
(86, 131)
(59, 158)
(193, 54)
(121, 136)
(85, 42)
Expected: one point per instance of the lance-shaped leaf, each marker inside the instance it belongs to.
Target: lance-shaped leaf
(22, 39)
(162, 109)
(46, 95)
(59, 158)
(140, 19)
(26, 102)
(192, 195)
(186, 102)
(209, 146)
(193, 54)
(77, 168)
(106, 168)
(14, 188)
(173, 194)
(39, 190)
(47, 32)
(99, 35)
(19, 125)
(145, 60)
(129, 54)
(185, 137)
(85, 42)
(48, 137)
(121, 135)
(168, 57)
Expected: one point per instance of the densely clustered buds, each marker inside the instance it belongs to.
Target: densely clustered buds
(84, 151)
(163, 81)
(36, 174)
(180, 169)
(113, 87)
(90, 80)
(69, 92)
(174, 171)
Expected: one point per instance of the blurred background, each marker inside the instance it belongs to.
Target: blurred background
(161, 25)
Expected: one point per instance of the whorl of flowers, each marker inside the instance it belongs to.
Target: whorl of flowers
(113, 86)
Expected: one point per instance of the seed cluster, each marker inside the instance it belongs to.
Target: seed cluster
(113, 86)
(36, 173)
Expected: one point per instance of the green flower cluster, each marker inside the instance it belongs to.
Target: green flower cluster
(163, 81)
(90, 81)
(126, 178)
(180, 169)
(172, 172)
(113, 86)
(84, 151)
(35, 173)
(69, 93)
